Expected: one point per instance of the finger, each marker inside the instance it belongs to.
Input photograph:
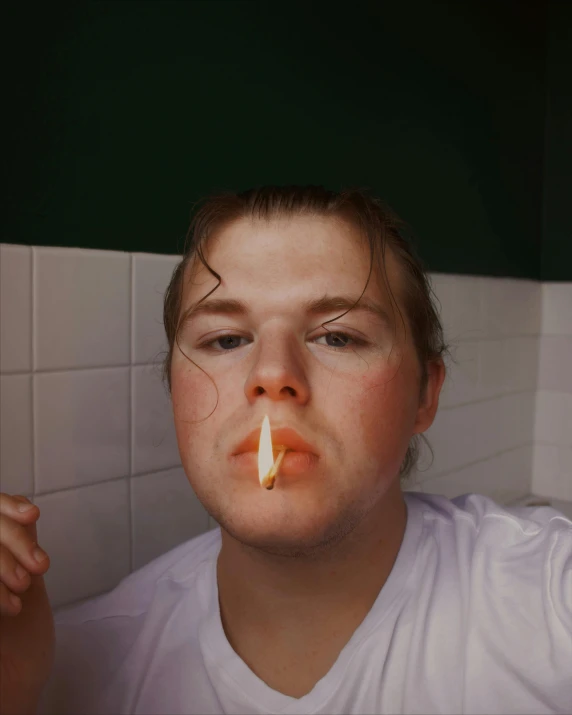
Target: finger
(10, 604)
(18, 507)
(12, 573)
(21, 541)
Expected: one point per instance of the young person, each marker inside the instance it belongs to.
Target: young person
(336, 591)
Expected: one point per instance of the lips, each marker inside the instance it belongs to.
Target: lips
(281, 437)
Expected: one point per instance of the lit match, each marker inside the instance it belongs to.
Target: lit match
(267, 467)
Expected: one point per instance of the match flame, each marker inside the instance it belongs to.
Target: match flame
(265, 455)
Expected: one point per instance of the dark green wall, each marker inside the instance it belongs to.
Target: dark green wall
(557, 234)
(124, 113)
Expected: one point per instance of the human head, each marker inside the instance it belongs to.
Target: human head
(376, 232)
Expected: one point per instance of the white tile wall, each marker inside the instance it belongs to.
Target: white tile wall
(81, 308)
(87, 429)
(82, 427)
(555, 374)
(86, 533)
(500, 477)
(86, 424)
(15, 308)
(165, 513)
(557, 309)
(154, 439)
(151, 276)
(552, 464)
(483, 434)
(16, 465)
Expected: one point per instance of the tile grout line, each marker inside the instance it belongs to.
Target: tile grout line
(480, 401)
(33, 351)
(110, 480)
(130, 413)
(500, 453)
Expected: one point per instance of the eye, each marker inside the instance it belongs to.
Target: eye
(225, 342)
(337, 340)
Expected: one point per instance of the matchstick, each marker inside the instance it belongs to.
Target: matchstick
(270, 478)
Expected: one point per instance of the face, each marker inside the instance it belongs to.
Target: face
(345, 397)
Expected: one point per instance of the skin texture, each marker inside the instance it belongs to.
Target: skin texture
(27, 636)
(301, 565)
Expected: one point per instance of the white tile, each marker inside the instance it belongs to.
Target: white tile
(15, 308)
(81, 308)
(154, 438)
(462, 435)
(444, 455)
(446, 486)
(515, 475)
(82, 427)
(469, 307)
(521, 360)
(461, 307)
(85, 532)
(546, 457)
(567, 421)
(551, 475)
(165, 513)
(493, 368)
(151, 277)
(565, 460)
(557, 309)
(512, 307)
(462, 382)
(553, 423)
(16, 468)
(503, 478)
(517, 414)
(555, 368)
(466, 480)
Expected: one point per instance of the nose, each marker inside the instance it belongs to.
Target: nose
(278, 371)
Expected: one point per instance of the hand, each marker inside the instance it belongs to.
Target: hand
(27, 636)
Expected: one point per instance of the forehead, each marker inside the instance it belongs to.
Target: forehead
(288, 259)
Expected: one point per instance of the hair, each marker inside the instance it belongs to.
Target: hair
(374, 220)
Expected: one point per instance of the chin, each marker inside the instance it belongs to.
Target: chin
(305, 533)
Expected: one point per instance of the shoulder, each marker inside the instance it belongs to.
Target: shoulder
(481, 521)
(516, 550)
(96, 639)
(516, 562)
(136, 592)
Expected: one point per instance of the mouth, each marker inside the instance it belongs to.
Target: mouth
(282, 438)
(300, 458)
(293, 464)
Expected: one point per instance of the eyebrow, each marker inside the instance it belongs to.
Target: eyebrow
(315, 307)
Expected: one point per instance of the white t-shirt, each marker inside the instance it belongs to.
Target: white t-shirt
(475, 617)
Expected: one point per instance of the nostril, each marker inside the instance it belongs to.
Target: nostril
(259, 390)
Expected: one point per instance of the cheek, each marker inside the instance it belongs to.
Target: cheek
(194, 396)
(387, 407)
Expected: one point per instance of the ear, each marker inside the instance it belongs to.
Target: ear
(427, 409)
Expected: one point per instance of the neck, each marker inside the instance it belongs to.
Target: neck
(292, 604)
